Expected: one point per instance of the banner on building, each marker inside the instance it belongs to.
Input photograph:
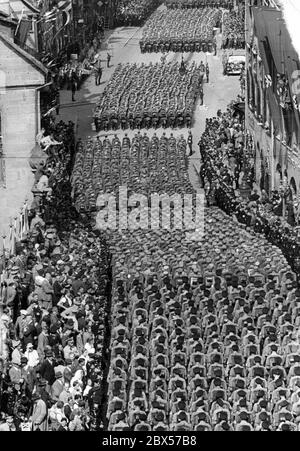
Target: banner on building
(23, 31)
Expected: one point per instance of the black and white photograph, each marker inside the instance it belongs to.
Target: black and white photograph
(149, 219)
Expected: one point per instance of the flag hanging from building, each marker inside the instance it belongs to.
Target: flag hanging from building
(65, 7)
(20, 20)
(23, 28)
(49, 16)
(23, 31)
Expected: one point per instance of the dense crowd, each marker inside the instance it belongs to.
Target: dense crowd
(134, 12)
(226, 167)
(54, 326)
(204, 334)
(233, 30)
(149, 96)
(174, 4)
(144, 165)
(156, 329)
(204, 327)
(201, 330)
(181, 30)
(56, 140)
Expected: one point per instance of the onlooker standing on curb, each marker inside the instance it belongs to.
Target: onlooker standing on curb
(73, 89)
(108, 59)
(207, 72)
(201, 96)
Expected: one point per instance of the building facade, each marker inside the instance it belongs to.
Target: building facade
(22, 77)
(272, 105)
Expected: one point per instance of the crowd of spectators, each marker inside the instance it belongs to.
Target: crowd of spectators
(227, 168)
(187, 331)
(55, 297)
(153, 95)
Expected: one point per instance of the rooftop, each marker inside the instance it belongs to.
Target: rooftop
(23, 54)
(5, 18)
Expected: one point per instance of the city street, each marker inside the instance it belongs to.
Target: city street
(135, 294)
(123, 45)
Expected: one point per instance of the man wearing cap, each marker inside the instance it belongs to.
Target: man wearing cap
(19, 325)
(68, 371)
(57, 288)
(29, 330)
(243, 426)
(46, 302)
(47, 368)
(54, 340)
(114, 405)
(43, 341)
(28, 375)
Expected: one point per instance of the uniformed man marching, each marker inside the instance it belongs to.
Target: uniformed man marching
(207, 72)
(190, 143)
